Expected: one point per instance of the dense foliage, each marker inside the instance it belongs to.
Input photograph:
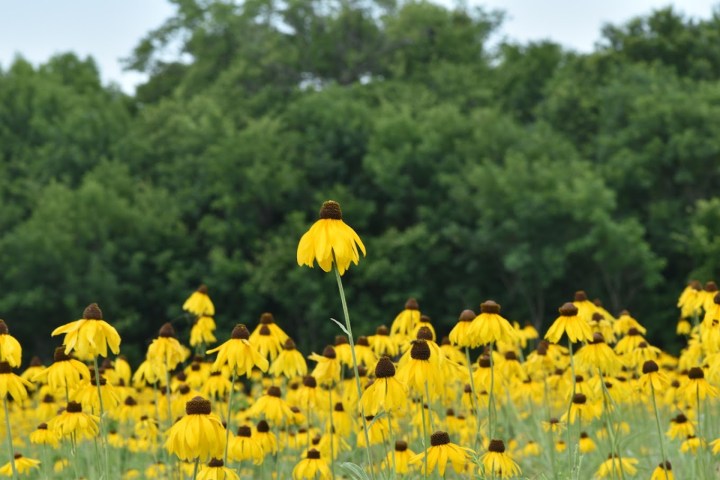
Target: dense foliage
(520, 173)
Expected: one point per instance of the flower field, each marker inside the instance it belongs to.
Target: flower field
(488, 399)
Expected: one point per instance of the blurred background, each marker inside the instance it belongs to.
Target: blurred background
(514, 150)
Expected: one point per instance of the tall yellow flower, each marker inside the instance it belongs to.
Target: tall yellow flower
(497, 463)
(385, 393)
(238, 353)
(10, 349)
(165, 350)
(440, 452)
(570, 322)
(330, 238)
(90, 336)
(199, 303)
(199, 434)
(490, 326)
(405, 321)
(11, 384)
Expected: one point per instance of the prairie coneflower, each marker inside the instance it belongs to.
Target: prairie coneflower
(613, 466)
(312, 467)
(421, 368)
(364, 354)
(697, 387)
(44, 436)
(268, 320)
(652, 378)
(266, 438)
(266, 343)
(581, 409)
(271, 406)
(405, 321)
(11, 384)
(385, 393)
(570, 322)
(90, 336)
(587, 445)
(382, 343)
(10, 349)
(327, 370)
(692, 444)
(497, 463)
(199, 303)
(238, 353)
(197, 435)
(203, 331)
(460, 334)
(22, 464)
(680, 427)
(74, 422)
(597, 355)
(289, 363)
(244, 447)
(216, 470)
(424, 322)
(440, 452)
(165, 350)
(65, 373)
(330, 240)
(490, 326)
(402, 456)
(663, 472)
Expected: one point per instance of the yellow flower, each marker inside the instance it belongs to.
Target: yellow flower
(663, 472)
(199, 434)
(460, 334)
(385, 393)
(216, 470)
(582, 410)
(405, 321)
(382, 343)
(312, 467)
(266, 438)
(271, 406)
(402, 456)
(613, 465)
(10, 349)
(44, 436)
(697, 386)
(202, 331)
(199, 303)
(421, 367)
(587, 445)
(90, 336)
(244, 447)
(570, 322)
(598, 355)
(680, 427)
(330, 240)
(290, 363)
(327, 370)
(691, 299)
(238, 353)
(267, 320)
(73, 422)
(11, 384)
(497, 463)
(166, 350)
(692, 444)
(489, 326)
(65, 373)
(653, 376)
(23, 465)
(440, 452)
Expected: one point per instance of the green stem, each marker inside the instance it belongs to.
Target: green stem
(332, 434)
(8, 431)
(612, 437)
(572, 395)
(392, 443)
(103, 426)
(491, 397)
(348, 327)
(659, 429)
(195, 469)
(227, 417)
(424, 431)
(473, 399)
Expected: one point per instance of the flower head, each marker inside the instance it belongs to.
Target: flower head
(330, 240)
(22, 465)
(570, 322)
(10, 349)
(238, 353)
(216, 470)
(199, 434)
(199, 303)
(440, 452)
(497, 463)
(312, 467)
(90, 336)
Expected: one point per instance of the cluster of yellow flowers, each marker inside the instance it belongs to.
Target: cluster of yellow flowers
(489, 400)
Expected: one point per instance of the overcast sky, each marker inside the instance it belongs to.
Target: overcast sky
(109, 29)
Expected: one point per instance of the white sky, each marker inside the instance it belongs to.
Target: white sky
(109, 29)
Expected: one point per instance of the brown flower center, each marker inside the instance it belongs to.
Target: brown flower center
(420, 350)
(198, 406)
(167, 331)
(568, 310)
(330, 210)
(240, 332)
(439, 438)
(412, 304)
(650, 366)
(497, 446)
(489, 306)
(313, 454)
(92, 312)
(384, 368)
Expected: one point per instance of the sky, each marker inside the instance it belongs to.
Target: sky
(108, 30)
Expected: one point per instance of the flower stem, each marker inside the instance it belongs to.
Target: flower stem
(195, 469)
(348, 327)
(103, 434)
(424, 431)
(8, 431)
(659, 429)
(332, 434)
(572, 395)
(473, 399)
(491, 397)
(227, 417)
